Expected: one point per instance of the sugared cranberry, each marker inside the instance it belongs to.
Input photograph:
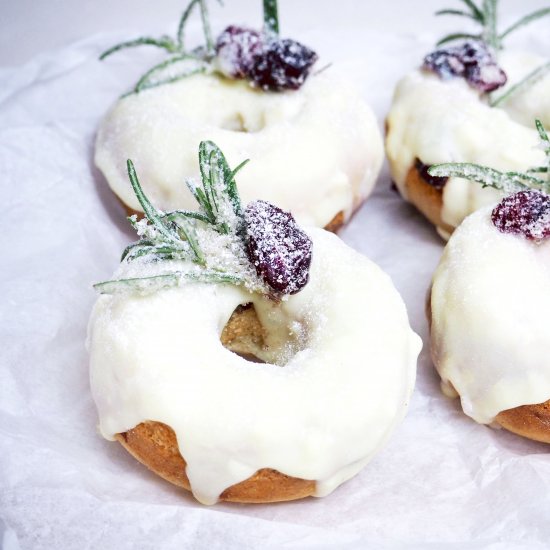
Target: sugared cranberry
(283, 65)
(277, 247)
(236, 48)
(470, 60)
(526, 213)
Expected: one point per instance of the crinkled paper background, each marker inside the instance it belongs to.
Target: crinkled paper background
(442, 481)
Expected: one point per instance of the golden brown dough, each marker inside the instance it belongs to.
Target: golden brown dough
(427, 198)
(154, 444)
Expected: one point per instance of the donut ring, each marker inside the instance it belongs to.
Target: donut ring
(286, 432)
(432, 121)
(500, 378)
(317, 151)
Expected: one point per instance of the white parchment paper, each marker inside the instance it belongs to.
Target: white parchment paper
(443, 481)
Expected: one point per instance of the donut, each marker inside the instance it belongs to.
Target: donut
(490, 293)
(240, 393)
(438, 117)
(316, 145)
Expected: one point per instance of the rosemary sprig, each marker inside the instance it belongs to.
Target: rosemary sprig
(158, 282)
(176, 235)
(525, 82)
(198, 58)
(271, 16)
(509, 182)
(486, 16)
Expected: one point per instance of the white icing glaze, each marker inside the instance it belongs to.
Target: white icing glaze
(315, 152)
(446, 121)
(490, 300)
(320, 417)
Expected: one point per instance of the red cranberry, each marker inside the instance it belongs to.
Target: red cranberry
(283, 65)
(277, 247)
(470, 60)
(526, 213)
(236, 48)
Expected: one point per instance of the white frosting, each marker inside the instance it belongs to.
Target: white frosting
(316, 151)
(490, 304)
(321, 416)
(439, 121)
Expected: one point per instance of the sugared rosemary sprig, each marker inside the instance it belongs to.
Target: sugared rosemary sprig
(191, 61)
(486, 16)
(183, 62)
(509, 182)
(175, 235)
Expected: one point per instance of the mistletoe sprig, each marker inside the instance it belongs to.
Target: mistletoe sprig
(177, 235)
(182, 61)
(486, 16)
(509, 182)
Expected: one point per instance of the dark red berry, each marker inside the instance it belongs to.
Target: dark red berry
(526, 213)
(236, 48)
(444, 63)
(283, 65)
(435, 181)
(470, 60)
(277, 247)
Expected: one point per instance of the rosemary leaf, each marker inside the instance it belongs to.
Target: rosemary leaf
(177, 214)
(130, 247)
(150, 211)
(158, 282)
(200, 197)
(182, 23)
(478, 14)
(460, 13)
(234, 172)
(229, 185)
(169, 80)
(271, 16)
(206, 27)
(525, 82)
(143, 81)
(458, 36)
(164, 43)
(543, 136)
(490, 36)
(538, 170)
(212, 184)
(525, 21)
(187, 232)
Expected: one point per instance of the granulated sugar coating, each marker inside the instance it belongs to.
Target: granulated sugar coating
(267, 61)
(235, 49)
(283, 65)
(526, 213)
(471, 60)
(278, 248)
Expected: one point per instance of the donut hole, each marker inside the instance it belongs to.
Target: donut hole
(241, 122)
(243, 334)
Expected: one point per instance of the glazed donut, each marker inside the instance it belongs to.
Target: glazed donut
(317, 151)
(339, 370)
(433, 120)
(488, 327)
